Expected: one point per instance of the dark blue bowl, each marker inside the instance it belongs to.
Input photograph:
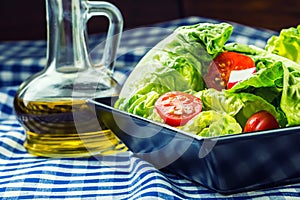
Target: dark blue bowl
(226, 164)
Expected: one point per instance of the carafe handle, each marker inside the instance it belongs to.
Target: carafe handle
(102, 8)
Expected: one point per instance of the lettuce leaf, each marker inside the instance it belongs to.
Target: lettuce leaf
(287, 44)
(290, 100)
(177, 72)
(213, 99)
(211, 124)
(211, 37)
(142, 102)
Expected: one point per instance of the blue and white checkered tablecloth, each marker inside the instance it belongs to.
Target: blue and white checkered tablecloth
(121, 176)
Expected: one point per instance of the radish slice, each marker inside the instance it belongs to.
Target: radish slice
(239, 75)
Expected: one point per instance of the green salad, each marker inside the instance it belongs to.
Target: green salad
(198, 82)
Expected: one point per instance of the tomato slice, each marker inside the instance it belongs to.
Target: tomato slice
(220, 68)
(262, 120)
(177, 108)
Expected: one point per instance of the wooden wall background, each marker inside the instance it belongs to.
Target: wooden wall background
(25, 20)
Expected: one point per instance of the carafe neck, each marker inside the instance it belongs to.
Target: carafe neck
(66, 36)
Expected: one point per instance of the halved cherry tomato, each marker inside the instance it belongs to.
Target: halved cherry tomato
(177, 108)
(220, 68)
(262, 120)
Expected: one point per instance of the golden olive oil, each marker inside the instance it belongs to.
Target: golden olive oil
(64, 128)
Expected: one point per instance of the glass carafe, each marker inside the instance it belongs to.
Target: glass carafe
(51, 105)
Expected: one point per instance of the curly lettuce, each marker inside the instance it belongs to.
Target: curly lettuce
(213, 99)
(287, 44)
(211, 124)
(142, 102)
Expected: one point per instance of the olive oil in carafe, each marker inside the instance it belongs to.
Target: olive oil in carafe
(50, 104)
(64, 128)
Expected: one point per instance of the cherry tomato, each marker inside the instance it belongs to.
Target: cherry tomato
(220, 68)
(262, 120)
(177, 108)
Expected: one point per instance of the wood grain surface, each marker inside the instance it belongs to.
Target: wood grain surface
(22, 20)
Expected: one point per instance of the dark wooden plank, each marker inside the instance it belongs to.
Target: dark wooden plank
(271, 14)
(26, 19)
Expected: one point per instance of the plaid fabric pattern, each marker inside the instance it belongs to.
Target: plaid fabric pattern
(123, 176)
